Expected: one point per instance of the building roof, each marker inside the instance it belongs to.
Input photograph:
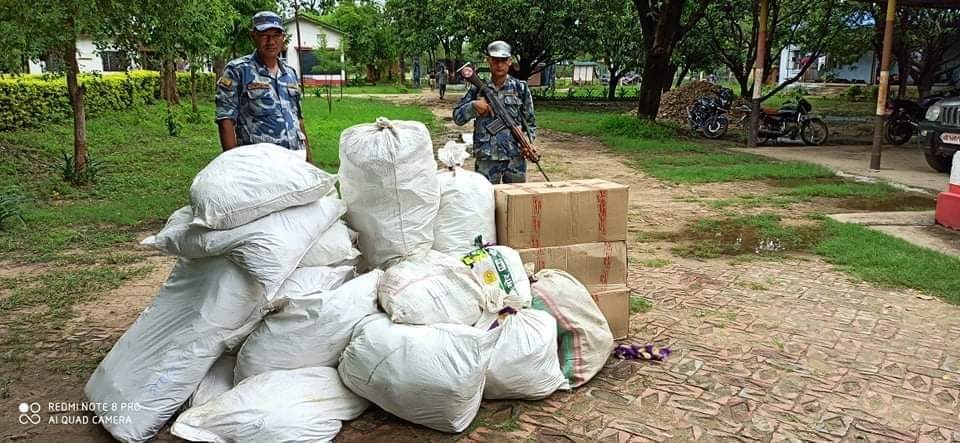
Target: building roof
(307, 17)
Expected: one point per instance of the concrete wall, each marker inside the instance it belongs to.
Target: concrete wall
(310, 39)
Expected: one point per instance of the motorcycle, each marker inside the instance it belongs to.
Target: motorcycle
(906, 115)
(709, 113)
(791, 120)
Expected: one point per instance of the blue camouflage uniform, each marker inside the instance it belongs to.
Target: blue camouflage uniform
(498, 156)
(266, 109)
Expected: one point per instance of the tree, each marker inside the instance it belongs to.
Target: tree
(616, 37)
(663, 26)
(370, 45)
(541, 32)
(327, 59)
(816, 27)
(54, 27)
(922, 47)
(182, 30)
(695, 53)
(236, 40)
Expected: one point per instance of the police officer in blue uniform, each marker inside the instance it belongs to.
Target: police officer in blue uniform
(258, 95)
(498, 156)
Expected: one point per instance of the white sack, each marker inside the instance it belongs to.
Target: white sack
(205, 307)
(306, 281)
(524, 364)
(219, 379)
(305, 405)
(249, 182)
(501, 268)
(428, 289)
(388, 179)
(334, 246)
(466, 211)
(584, 336)
(269, 248)
(429, 375)
(310, 330)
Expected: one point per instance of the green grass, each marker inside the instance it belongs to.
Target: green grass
(639, 305)
(658, 150)
(881, 259)
(151, 172)
(60, 290)
(380, 88)
(654, 262)
(867, 254)
(758, 235)
(834, 188)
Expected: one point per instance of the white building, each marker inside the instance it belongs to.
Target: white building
(90, 59)
(299, 53)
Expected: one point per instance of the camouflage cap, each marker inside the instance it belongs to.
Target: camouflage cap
(265, 20)
(498, 49)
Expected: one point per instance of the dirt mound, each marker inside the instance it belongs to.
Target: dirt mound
(674, 103)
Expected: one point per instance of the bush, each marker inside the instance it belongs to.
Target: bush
(10, 201)
(93, 169)
(854, 92)
(30, 101)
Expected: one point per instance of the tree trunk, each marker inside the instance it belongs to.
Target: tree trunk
(673, 73)
(746, 88)
(76, 91)
(193, 88)
(925, 78)
(612, 87)
(656, 64)
(683, 75)
(168, 82)
(655, 74)
(219, 65)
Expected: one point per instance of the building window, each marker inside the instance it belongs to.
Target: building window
(307, 61)
(795, 60)
(114, 61)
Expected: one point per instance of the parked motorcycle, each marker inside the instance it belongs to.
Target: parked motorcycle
(905, 116)
(709, 113)
(792, 120)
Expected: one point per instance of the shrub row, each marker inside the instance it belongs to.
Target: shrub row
(30, 101)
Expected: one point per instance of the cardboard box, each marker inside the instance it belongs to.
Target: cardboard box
(538, 215)
(614, 303)
(590, 263)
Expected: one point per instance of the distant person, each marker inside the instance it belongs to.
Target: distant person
(258, 95)
(498, 156)
(433, 78)
(442, 80)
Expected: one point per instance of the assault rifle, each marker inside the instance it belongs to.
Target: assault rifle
(503, 119)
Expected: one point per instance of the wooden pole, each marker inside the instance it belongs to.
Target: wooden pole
(296, 18)
(884, 85)
(758, 76)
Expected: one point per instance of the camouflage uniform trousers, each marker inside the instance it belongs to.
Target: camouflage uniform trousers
(513, 170)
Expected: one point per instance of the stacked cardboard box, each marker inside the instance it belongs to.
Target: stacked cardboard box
(579, 226)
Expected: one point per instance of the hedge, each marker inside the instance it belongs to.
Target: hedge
(30, 101)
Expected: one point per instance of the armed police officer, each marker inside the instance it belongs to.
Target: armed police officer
(258, 96)
(498, 156)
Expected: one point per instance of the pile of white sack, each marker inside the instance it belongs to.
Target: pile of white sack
(290, 309)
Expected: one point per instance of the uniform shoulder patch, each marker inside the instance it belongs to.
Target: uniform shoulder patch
(225, 82)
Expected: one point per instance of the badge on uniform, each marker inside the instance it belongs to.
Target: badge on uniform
(255, 85)
(225, 82)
